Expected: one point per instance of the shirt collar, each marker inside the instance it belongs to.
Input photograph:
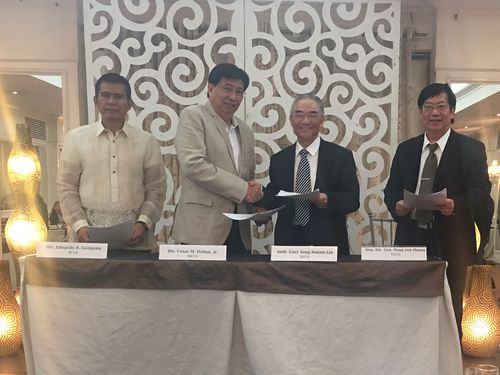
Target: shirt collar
(312, 148)
(234, 123)
(441, 141)
(125, 129)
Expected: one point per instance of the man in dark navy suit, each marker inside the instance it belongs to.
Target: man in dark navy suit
(461, 169)
(312, 163)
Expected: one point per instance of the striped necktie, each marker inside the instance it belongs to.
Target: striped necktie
(303, 185)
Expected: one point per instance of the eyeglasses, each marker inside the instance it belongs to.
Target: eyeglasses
(228, 90)
(428, 108)
(300, 115)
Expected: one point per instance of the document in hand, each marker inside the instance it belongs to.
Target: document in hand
(258, 216)
(286, 194)
(115, 236)
(424, 201)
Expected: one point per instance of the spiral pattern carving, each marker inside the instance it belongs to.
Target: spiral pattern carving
(345, 52)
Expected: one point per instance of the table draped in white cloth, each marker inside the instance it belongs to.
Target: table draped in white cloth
(132, 314)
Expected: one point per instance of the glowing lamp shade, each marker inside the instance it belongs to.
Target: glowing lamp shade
(481, 316)
(23, 230)
(25, 227)
(22, 165)
(10, 325)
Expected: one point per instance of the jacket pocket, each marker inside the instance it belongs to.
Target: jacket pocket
(199, 200)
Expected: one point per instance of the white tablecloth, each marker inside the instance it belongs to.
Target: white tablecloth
(150, 332)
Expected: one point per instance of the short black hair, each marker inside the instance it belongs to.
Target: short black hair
(113, 78)
(228, 71)
(434, 89)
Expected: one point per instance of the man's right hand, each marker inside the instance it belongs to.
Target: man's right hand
(254, 192)
(83, 234)
(402, 209)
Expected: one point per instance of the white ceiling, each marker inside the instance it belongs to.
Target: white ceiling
(480, 115)
(35, 98)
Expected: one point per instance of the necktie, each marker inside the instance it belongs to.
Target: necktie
(303, 185)
(427, 183)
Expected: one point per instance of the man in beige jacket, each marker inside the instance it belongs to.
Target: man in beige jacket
(216, 156)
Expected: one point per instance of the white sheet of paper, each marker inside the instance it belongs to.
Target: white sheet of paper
(258, 216)
(424, 201)
(286, 194)
(115, 236)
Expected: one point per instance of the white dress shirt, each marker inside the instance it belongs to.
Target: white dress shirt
(234, 138)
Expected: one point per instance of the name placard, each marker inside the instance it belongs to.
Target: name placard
(394, 253)
(304, 253)
(84, 250)
(192, 252)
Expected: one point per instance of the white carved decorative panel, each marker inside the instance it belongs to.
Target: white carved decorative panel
(347, 53)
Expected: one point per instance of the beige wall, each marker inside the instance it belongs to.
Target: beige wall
(422, 21)
(467, 40)
(38, 29)
(41, 36)
(467, 51)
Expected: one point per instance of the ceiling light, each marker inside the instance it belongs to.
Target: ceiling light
(498, 114)
(15, 92)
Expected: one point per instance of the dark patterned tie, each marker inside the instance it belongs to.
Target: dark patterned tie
(424, 217)
(303, 185)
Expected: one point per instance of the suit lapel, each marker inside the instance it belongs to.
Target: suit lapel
(221, 128)
(414, 156)
(322, 163)
(245, 145)
(289, 168)
(448, 158)
(448, 152)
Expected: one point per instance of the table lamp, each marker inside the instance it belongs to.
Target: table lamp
(25, 226)
(10, 324)
(481, 316)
